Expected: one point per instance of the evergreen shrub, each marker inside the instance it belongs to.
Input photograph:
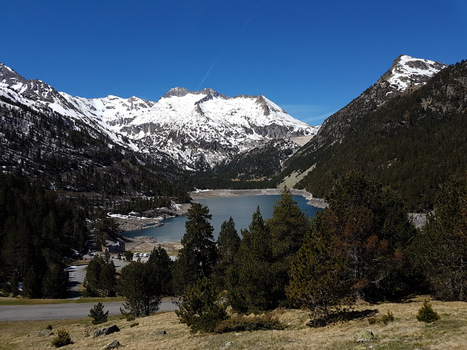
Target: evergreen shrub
(389, 317)
(98, 314)
(385, 319)
(63, 338)
(200, 308)
(426, 313)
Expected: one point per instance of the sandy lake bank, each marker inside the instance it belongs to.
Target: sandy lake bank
(203, 194)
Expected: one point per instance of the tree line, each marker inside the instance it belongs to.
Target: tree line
(37, 232)
(71, 156)
(362, 246)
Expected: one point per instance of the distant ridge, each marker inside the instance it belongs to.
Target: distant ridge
(196, 130)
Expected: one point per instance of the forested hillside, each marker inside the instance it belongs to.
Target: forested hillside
(414, 142)
(68, 155)
(36, 233)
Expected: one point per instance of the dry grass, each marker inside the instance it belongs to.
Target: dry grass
(404, 333)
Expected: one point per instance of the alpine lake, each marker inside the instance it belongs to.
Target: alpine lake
(240, 209)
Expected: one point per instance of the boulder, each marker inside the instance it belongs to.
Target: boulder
(105, 331)
(226, 345)
(113, 345)
(45, 333)
(366, 336)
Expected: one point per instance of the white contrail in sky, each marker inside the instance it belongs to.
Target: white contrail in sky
(209, 70)
(222, 53)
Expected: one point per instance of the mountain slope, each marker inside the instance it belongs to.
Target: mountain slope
(196, 130)
(408, 131)
(41, 97)
(405, 75)
(67, 154)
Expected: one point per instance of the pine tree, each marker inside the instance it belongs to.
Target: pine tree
(162, 268)
(228, 241)
(108, 280)
(228, 244)
(440, 249)
(100, 279)
(426, 313)
(31, 283)
(251, 279)
(317, 271)
(198, 255)
(97, 313)
(373, 231)
(55, 283)
(139, 285)
(199, 308)
(92, 279)
(288, 227)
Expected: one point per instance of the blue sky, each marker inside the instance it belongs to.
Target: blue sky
(309, 57)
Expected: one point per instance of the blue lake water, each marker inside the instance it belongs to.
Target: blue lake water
(240, 209)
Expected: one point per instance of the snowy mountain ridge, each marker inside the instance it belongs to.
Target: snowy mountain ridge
(408, 71)
(196, 129)
(201, 129)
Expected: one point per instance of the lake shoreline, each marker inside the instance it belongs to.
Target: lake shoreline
(133, 223)
(145, 243)
(206, 194)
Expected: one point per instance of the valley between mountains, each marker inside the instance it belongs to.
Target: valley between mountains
(76, 172)
(204, 139)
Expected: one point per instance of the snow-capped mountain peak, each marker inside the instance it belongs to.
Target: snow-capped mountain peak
(197, 129)
(409, 71)
(176, 91)
(215, 127)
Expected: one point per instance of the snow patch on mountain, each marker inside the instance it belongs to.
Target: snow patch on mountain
(198, 129)
(409, 71)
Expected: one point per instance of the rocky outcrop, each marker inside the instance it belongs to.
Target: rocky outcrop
(105, 331)
(113, 345)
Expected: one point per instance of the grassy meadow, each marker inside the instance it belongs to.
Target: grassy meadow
(405, 332)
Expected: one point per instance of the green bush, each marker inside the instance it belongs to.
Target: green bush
(128, 315)
(98, 314)
(62, 338)
(242, 324)
(199, 307)
(426, 313)
(385, 319)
